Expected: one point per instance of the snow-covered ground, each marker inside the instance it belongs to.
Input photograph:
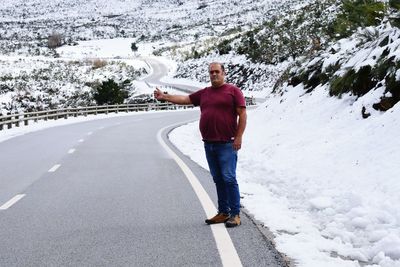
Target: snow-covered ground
(321, 178)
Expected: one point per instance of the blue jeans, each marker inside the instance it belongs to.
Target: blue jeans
(222, 159)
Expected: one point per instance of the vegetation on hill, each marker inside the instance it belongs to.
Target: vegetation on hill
(311, 41)
(366, 60)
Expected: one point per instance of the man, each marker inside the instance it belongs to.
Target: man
(221, 105)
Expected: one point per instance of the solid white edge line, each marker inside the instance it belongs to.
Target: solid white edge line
(227, 251)
(54, 168)
(12, 201)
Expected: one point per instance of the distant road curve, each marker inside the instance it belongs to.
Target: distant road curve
(161, 70)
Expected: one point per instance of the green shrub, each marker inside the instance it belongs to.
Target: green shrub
(224, 47)
(357, 13)
(394, 4)
(109, 92)
(364, 81)
(393, 86)
(340, 85)
(359, 83)
(394, 15)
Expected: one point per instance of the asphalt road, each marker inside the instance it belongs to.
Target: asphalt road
(116, 199)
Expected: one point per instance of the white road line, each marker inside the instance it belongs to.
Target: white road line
(11, 202)
(81, 140)
(71, 151)
(89, 133)
(54, 168)
(227, 251)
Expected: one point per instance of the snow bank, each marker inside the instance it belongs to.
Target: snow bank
(324, 180)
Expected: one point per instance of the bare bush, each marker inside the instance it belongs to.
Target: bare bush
(55, 40)
(98, 63)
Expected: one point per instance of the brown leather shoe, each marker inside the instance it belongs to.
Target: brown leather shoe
(219, 218)
(233, 221)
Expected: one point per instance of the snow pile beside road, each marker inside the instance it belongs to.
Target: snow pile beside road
(324, 180)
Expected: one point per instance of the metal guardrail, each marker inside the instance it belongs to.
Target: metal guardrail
(19, 118)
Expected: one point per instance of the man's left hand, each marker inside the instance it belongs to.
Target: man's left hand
(237, 143)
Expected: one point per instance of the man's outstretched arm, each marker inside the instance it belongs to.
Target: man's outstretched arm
(176, 99)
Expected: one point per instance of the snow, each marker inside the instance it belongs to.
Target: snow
(321, 178)
(310, 179)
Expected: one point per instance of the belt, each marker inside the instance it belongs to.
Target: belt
(218, 142)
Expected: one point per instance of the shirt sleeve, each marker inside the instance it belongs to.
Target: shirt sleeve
(239, 98)
(195, 97)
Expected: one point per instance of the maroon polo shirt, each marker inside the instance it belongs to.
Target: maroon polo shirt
(218, 120)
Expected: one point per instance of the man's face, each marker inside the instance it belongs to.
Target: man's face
(217, 75)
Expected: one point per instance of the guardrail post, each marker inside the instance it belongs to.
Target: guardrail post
(9, 125)
(17, 122)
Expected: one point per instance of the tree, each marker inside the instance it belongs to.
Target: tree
(134, 48)
(109, 92)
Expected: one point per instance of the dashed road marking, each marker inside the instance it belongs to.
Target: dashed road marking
(81, 140)
(54, 168)
(11, 202)
(71, 151)
(89, 133)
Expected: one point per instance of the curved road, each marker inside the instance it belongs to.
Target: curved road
(106, 193)
(159, 71)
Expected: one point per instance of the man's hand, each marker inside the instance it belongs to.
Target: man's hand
(158, 94)
(237, 143)
(176, 99)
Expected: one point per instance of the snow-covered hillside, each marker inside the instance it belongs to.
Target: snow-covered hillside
(26, 28)
(26, 25)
